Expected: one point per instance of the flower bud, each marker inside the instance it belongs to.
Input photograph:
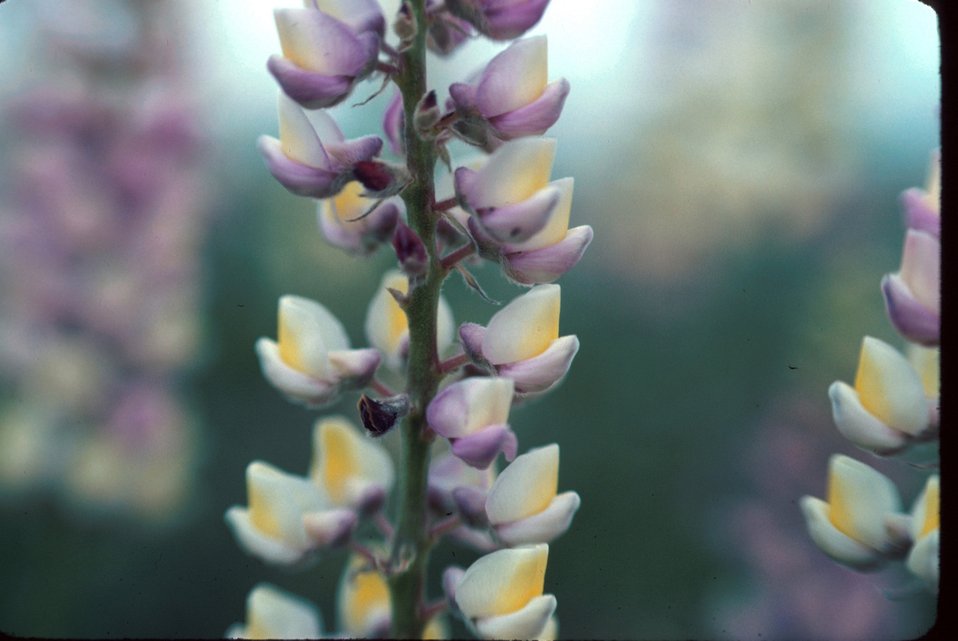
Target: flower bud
(512, 94)
(405, 23)
(447, 32)
(312, 157)
(388, 328)
(311, 361)
(886, 408)
(850, 525)
(327, 49)
(501, 594)
(427, 112)
(523, 505)
(410, 251)
(272, 613)
(380, 416)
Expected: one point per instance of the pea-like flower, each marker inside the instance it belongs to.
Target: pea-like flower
(363, 602)
(272, 613)
(271, 526)
(886, 409)
(923, 206)
(328, 46)
(852, 526)
(501, 594)
(352, 470)
(922, 560)
(912, 295)
(510, 195)
(500, 19)
(512, 93)
(345, 222)
(553, 251)
(311, 362)
(312, 156)
(473, 414)
(523, 505)
(522, 341)
(387, 327)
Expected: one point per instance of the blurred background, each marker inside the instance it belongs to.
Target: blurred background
(740, 163)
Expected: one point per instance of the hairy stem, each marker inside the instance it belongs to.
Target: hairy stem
(410, 552)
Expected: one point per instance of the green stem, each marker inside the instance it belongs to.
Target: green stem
(410, 553)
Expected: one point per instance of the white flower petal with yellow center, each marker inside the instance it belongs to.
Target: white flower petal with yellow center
(298, 138)
(501, 593)
(515, 78)
(349, 467)
(513, 173)
(387, 327)
(524, 328)
(271, 526)
(272, 613)
(523, 504)
(850, 526)
(363, 602)
(926, 514)
(887, 406)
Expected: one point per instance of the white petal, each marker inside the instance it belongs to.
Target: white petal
(528, 623)
(514, 172)
(515, 77)
(923, 559)
(503, 581)
(471, 404)
(251, 539)
(889, 388)
(386, 323)
(297, 137)
(307, 332)
(859, 426)
(525, 327)
(833, 542)
(346, 463)
(925, 360)
(926, 513)
(921, 268)
(527, 486)
(859, 498)
(272, 613)
(277, 502)
(544, 526)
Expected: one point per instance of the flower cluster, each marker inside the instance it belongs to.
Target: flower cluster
(447, 394)
(100, 247)
(891, 407)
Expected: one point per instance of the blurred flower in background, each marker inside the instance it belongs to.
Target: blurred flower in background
(103, 218)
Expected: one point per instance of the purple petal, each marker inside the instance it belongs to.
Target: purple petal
(919, 214)
(470, 336)
(298, 178)
(471, 504)
(316, 41)
(465, 180)
(310, 89)
(508, 19)
(447, 411)
(542, 372)
(913, 320)
(481, 448)
(463, 96)
(536, 117)
(393, 124)
(355, 367)
(349, 152)
(516, 223)
(548, 263)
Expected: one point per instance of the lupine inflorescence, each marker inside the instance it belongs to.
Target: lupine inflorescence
(455, 388)
(891, 407)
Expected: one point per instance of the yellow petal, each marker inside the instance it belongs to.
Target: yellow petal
(889, 388)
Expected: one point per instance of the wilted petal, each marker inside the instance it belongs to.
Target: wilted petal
(527, 623)
(272, 613)
(548, 263)
(542, 372)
